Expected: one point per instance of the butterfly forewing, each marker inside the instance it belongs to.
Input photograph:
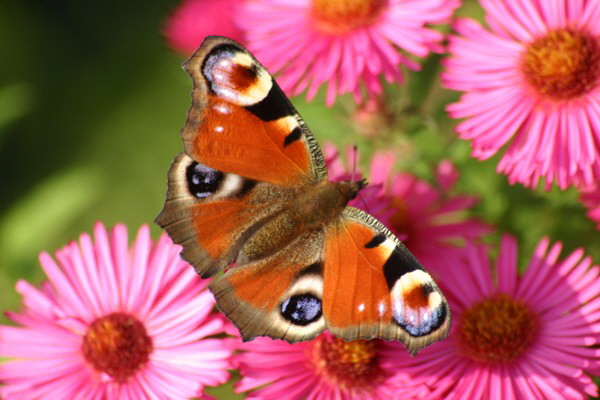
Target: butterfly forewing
(241, 122)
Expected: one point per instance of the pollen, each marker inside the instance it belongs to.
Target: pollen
(341, 16)
(353, 366)
(562, 65)
(117, 344)
(497, 330)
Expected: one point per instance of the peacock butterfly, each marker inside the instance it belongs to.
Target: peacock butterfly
(251, 190)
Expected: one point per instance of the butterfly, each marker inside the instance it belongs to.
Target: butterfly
(250, 194)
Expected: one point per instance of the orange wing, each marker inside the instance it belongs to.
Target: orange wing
(241, 122)
(375, 288)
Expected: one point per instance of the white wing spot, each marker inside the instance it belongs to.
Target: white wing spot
(381, 308)
(361, 307)
(227, 93)
(222, 108)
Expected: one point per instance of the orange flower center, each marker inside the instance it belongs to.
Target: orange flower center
(352, 365)
(341, 16)
(496, 330)
(117, 344)
(563, 65)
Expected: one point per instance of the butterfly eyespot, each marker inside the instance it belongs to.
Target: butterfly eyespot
(420, 310)
(234, 76)
(202, 181)
(421, 322)
(301, 309)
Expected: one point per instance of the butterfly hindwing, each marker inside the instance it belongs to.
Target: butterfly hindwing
(241, 122)
(277, 296)
(375, 288)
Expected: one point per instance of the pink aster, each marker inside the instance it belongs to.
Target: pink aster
(531, 82)
(113, 322)
(514, 336)
(193, 20)
(324, 368)
(429, 219)
(346, 44)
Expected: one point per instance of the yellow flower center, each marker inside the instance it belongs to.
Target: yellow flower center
(496, 330)
(352, 365)
(117, 344)
(341, 16)
(562, 65)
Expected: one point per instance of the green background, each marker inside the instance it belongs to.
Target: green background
(91, 104)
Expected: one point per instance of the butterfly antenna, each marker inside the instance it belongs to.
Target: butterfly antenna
(354, 155)
(364, 203)
(363, 182)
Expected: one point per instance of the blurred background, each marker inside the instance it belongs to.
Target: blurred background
(91, 103)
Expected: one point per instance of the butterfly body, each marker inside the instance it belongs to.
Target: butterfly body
(312, 209)
(251, 190)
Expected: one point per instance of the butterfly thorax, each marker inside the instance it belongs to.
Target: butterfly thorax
(313, 208)
(323, 202)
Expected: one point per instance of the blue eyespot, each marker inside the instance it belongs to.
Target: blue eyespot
(202, 181)
(301, 309)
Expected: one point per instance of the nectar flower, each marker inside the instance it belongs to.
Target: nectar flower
(531, 83)
(324, 368)
(341, 43)
(114, 323)
(193, 20)
(515, 337)
(429, 220)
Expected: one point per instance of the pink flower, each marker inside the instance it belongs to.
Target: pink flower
(193, 20)
(347, 44)
(515, 337)
(114, 323)
(324, 368)
(429, 220)
(531, 83)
